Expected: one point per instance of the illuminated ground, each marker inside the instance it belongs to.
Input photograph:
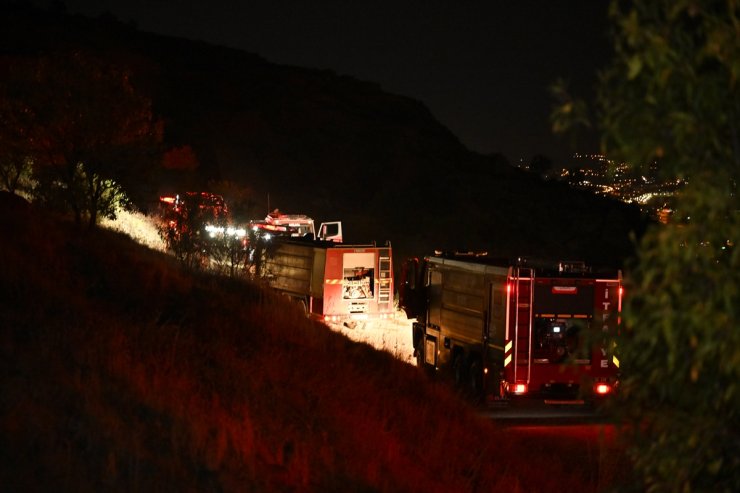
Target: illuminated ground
(393, 335)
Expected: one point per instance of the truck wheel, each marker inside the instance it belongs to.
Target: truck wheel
(420, 360)
(303, 307)
(459, 368)
(475, 379)
(421, 363)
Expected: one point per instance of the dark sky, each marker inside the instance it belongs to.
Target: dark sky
(481, 67)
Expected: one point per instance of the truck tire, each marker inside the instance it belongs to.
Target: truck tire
(419, 352)
(303, 306)
(421, 363)
(460, 370)
(419, 345)
(475, 378)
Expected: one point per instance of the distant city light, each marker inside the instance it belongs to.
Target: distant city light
(602, 176)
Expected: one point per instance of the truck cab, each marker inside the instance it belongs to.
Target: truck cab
(298, 226)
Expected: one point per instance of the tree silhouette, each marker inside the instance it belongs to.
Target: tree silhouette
(87, 131)
(15, 171)
(180, 158)
(15, 160)
(185, 228)
(569, 116)
(670, 97)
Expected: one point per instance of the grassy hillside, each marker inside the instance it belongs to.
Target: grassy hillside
(123, 373)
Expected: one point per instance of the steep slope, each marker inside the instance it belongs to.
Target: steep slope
(121, 372)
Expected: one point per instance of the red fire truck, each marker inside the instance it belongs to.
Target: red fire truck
(183, 211)
(297, 226)
(333, 281)
(507, 329)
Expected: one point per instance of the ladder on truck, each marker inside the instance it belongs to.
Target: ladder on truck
(523, 301)
(385, 275)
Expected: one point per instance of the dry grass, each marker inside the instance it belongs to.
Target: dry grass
(123, 373)
(138, 226)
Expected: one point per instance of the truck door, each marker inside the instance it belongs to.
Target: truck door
(412, 291)
(494, 332)
(434, 283)
(331, 231)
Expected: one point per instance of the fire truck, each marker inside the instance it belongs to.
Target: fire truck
(297, 226)
(524, 328)
(333, 282)
(179, 203)
(182, 212)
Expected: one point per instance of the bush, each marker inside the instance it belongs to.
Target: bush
(681, 351)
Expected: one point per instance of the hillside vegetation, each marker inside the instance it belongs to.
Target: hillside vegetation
(121, 372)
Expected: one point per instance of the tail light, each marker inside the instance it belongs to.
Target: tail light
(519, 388)
(602, 388)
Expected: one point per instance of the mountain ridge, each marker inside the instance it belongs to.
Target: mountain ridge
(335, 147)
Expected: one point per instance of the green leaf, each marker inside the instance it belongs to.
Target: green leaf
(634, 66)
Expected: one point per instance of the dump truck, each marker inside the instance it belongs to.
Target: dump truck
(526, 327)
(333, 282)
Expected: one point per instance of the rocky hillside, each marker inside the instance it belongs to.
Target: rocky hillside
(336, 148)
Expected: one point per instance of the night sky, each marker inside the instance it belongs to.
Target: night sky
(481, 67)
